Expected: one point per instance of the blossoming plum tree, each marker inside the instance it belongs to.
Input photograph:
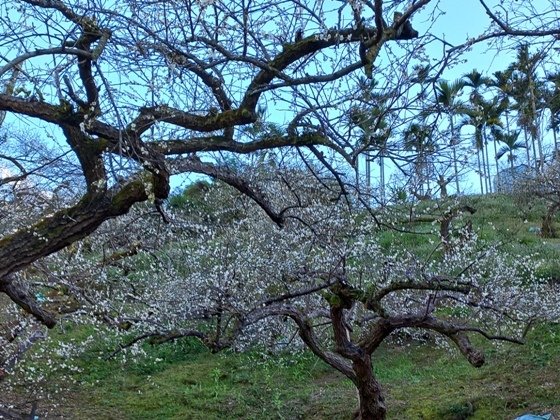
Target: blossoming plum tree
(232, 278)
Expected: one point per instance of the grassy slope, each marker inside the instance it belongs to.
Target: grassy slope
(421, 382)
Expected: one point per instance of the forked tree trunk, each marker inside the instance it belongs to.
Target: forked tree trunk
(372, 403)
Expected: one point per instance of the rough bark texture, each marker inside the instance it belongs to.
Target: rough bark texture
(370, 393)
(55, 232)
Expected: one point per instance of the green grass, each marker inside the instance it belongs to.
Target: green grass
(189, 383)
(433, 384)
(184, 381)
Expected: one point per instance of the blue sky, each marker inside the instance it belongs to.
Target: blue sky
(462, 19)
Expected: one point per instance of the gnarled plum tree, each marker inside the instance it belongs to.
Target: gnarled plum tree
(136, 92)
(234, 278)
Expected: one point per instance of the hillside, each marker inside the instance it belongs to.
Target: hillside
(183, 380)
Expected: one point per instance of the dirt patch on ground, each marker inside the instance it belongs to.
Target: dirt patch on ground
(67, 402)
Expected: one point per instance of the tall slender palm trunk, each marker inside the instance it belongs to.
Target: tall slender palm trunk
(535, 132)
(479, 171)
(382, 178)
(497, 167)
(368, 171)
(454, 149)
(484, 173)
(535, 159)
(527, 147)
(489, 188)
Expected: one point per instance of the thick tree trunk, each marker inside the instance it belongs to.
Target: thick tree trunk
(442, 186)
(55, 232)
(370, 393)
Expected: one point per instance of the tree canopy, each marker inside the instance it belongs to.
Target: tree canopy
(124, 95)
